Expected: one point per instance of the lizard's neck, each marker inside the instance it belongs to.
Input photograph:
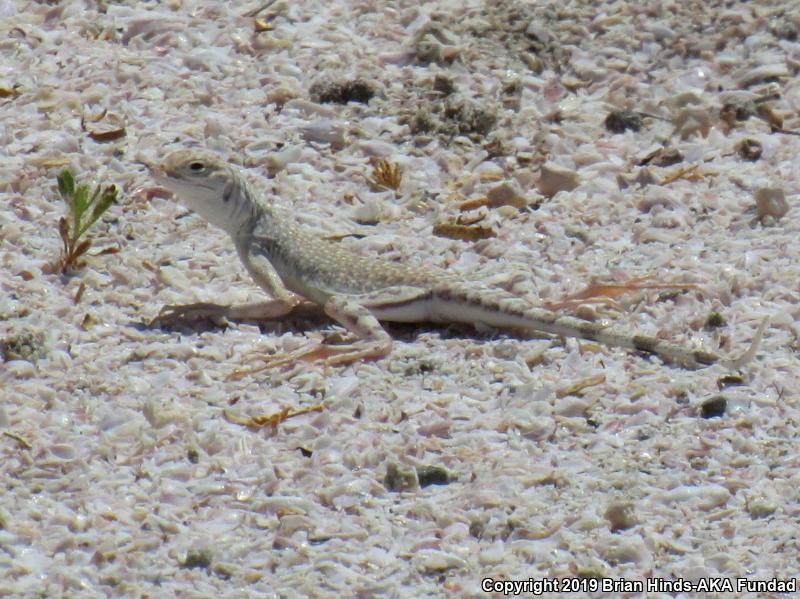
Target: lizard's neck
(240, 209)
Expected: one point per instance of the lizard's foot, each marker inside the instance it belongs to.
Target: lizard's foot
(261, 311)
(372, 341)
(172, 314)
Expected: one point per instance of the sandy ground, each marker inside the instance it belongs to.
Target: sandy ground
(125, 468)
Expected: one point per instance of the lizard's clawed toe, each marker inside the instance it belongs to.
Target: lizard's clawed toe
(172, 314)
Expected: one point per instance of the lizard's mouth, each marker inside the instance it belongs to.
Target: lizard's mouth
(156, 171)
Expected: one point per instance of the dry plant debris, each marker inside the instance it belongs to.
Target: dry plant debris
(463, 232)
(355, 90)
(24, 443)
(690, 173)
(386, 175)
(103, 127)
(618, 121)
(271, 420)
(614, 290)
(9, 92)
(577, 387)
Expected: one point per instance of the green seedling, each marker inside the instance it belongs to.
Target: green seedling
(84, 211)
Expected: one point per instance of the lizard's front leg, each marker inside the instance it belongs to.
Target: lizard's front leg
(284, 302)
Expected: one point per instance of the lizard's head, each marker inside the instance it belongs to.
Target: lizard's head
(204, 184)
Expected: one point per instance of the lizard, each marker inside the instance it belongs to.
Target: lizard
(300, 270)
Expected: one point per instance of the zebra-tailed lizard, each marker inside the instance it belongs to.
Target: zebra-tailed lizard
(294, 265)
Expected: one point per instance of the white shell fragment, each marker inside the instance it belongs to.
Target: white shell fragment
(555, 178)
(771, 201)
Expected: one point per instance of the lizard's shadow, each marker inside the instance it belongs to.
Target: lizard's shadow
(311, 317)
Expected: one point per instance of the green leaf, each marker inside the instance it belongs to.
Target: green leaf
(107, 197)
(79, 203)
(66, 184)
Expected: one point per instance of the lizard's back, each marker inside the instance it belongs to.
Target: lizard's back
(318, 269)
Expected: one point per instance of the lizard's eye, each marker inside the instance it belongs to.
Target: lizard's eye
(197, 167)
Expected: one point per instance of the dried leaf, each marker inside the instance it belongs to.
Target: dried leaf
(19, 439)
(107, 135)
(489, 176)
(687, 172)
(262, 25)
(111, 130)
(113, 249)
(613, 290)
(470, 220)
(83, 246)
(766, 113)
(578, 386)
(50, 161)
(474, 203)
(386, 174)
(271, 420)
(462, 232)
(79, 293)
(63, 231)
(9, 92)
(96, 118)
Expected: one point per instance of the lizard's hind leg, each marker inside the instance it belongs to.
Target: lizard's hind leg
(372, 341)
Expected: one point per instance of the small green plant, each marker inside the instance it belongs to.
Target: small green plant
(84, 210)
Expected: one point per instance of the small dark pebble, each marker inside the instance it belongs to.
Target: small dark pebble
(729, 380)
(443, 84)
(224, 571)
(356, 90)
(714, 407)
(197, 558)
(621, 515)
(749, 149)
(476, 529)
(662, 157)
(25, 345)
(193, 455)
(432, 475)
(714, 321)
(618, 121)
(737, 111)
(784, 29)
(399, 479)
